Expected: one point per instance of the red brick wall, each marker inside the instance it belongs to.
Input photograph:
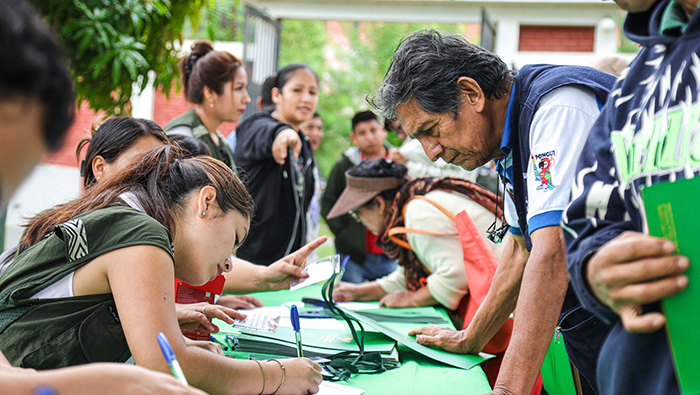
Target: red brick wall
(556, 38)
(164, 110)
(84, 119)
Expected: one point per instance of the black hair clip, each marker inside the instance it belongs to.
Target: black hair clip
(82, 168)
(189, 65)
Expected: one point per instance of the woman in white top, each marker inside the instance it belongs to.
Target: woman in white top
(436, 228)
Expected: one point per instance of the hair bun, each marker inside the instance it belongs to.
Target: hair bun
(199, 49)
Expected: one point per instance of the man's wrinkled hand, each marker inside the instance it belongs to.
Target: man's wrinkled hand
(635, 269)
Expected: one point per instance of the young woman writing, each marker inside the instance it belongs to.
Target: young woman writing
(93, 281)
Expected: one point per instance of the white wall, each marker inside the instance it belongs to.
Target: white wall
(507, 14)
(46, 186)
(508, 32)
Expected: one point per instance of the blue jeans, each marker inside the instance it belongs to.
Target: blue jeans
(376, 266)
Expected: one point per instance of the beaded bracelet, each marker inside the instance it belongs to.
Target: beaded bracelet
(284, 375)
(263, 373)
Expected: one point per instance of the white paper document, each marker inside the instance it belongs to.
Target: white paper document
(259, 322)
(318, 271)
(331, 388)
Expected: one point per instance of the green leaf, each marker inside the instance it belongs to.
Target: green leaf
(111, 43)
(116, 72)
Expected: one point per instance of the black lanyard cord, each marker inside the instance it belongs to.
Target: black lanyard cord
(343, 365)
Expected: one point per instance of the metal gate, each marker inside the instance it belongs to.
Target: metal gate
(261, 45)
(488, 31)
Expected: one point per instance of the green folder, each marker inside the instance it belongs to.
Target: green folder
(463, 361)
(418, 315)
(557, 378)
(672, 212)
(316, 342)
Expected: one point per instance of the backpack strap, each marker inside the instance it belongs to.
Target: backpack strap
(398, 230)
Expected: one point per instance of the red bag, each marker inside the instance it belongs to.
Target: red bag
(209, 292)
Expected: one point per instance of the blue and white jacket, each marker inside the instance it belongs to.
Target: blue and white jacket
(647, 133)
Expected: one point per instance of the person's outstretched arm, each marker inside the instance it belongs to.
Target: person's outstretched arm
(103, 378)
(500, 302)
(539, 304)
(144, 299)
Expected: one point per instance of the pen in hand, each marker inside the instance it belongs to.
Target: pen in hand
(170, 358)
(294, 315)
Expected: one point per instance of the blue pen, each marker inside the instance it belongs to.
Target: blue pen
(170, 358)
(294, 315)
(45, 390)
(232, 341)
(217, 341)
(345, 261)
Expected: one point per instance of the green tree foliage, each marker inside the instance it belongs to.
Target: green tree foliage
(349, 76)
(222, 20)
(112, 44)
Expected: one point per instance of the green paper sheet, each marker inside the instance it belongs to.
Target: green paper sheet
(419, 315)
(457, 360)
(672, 212)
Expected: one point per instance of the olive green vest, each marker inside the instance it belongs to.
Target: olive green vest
(53, 333)
(190, 119)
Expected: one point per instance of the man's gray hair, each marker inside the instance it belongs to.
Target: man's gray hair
(427, 64)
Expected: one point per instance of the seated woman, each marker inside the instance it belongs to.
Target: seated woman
(436, 228)
(117, 143)
(93, 281)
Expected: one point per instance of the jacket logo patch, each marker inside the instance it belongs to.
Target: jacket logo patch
(543, 164)
(76, 238)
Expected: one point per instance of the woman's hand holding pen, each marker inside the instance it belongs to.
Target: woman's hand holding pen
(302, 376)
(197, 316)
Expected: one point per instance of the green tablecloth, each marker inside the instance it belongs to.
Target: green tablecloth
(417, 374)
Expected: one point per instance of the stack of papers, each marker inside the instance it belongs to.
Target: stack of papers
(316, 342)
